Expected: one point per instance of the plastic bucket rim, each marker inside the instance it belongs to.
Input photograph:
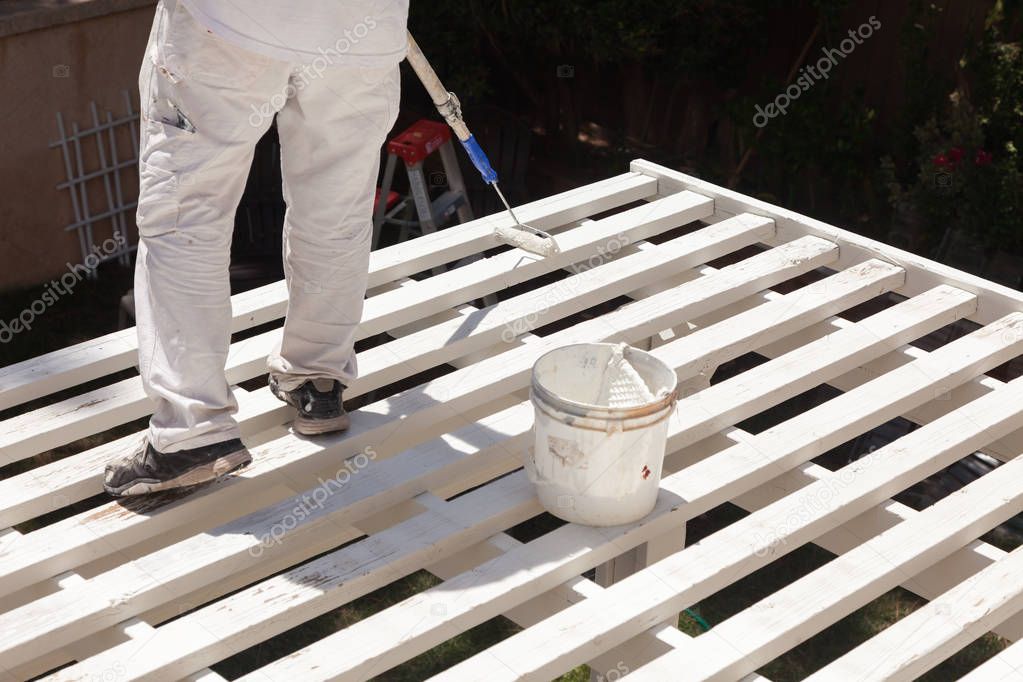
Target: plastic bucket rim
(667, 412)
(581, 409)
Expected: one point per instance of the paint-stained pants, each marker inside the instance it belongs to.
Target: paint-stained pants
(205, 103)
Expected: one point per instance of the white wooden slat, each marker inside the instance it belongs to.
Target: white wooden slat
(1005, 666)
(923, 274)
(928, 584)
(710, 482)
(413, 618)
(929, 635)
(204, 552)
(64, 544)
(803, 608)
(936, 393)
(1004, 449)
(778, 315)
(526, 614)
(640, 315)
(83, 415)
(845, 289)
(657, 639)
(29, 434)
(212, 632)
(137, 628)
(61, 369)
(508, 268)
(381, 365)
(504, 583)
(320, 659)
(805, 367)
(86, 647)
(460, 241)
(55, 485)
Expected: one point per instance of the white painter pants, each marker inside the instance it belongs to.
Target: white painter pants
(205, 103)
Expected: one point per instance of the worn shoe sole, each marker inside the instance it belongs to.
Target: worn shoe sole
(315, 427)
(203, 473)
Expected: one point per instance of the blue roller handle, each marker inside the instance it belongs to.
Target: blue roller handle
(480, 160)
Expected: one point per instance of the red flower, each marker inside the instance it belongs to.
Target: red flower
(941, 161)
(982, 158)
(956, 154)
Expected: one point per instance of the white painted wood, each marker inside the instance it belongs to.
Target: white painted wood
(206, 551)
(1003, 449)
(286, 600)
(66, 544)
(799, 610)
(320, 659)
(638, 651)
(470, 427)
(923, 274)
(586, 545)
(724, 285)
(96, 358)
(932, 633)
(379, 366)
(702, 414)
(773, 314)
(105, 407)
(930, 583)
(133, 628)
(711, 481)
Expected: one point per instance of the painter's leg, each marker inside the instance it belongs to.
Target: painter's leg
(202, 101)
(331, 133)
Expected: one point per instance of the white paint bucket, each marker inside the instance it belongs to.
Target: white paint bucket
(597, 453)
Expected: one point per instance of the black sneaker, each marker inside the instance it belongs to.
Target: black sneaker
(318, 402)
(148, 471)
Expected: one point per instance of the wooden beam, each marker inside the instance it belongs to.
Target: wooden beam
(923, 274)
(237, 631)
(649, 314)
(912, 646)
(799, 610)
(701, 487)
(111, 405)
(92, 359)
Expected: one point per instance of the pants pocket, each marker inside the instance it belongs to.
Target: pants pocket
(157, 211)
(384, 83)
(190, 51)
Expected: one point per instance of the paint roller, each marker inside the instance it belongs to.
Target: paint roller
(520, 235)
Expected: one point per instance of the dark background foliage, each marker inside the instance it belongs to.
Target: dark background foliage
(601, 82)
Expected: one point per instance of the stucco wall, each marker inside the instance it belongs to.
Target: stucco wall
(56, 56)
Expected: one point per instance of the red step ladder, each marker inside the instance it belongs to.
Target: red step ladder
(413, 146)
